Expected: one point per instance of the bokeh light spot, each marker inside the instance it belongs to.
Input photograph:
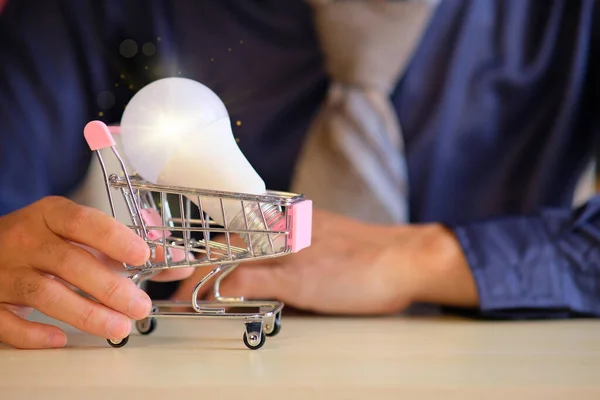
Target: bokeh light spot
(148, 49)
(105, 100)
(128, 48)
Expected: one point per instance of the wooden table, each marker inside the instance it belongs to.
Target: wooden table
(320, 358)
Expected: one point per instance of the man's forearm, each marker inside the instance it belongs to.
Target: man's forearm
(542, 265)
(442, 274)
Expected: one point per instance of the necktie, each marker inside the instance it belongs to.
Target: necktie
(352, 161)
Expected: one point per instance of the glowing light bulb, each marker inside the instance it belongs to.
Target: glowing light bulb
(176, 131)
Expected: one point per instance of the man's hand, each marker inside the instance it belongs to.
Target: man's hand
(356, 268)
(48, 240)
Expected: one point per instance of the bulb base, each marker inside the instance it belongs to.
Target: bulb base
(267, 218)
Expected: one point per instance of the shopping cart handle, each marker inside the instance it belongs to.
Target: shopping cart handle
(98, 135)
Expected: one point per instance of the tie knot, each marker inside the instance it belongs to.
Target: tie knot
(367, 43)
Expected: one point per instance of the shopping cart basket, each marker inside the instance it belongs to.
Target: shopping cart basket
(272, 225)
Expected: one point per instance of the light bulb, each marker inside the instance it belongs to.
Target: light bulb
(176, 131)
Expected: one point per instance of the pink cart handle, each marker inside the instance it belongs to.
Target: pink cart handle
(300, 225)
(98, 135)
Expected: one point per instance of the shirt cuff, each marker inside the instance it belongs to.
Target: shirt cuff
(520, 272)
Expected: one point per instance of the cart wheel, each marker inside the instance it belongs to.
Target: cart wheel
(274, 330)
(146, 326)
(253, 343)
(118, 343)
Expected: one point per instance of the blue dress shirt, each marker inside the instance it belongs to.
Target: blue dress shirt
(499, 108)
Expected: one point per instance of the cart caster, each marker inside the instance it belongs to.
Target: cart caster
(273, 327)
(118, 343)
(146, 326)
(252, 342)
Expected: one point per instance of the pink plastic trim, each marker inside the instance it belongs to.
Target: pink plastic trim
(300, 225)
(98, 136)
(152, 218)
(115, 130)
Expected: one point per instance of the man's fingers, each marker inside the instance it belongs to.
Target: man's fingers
(186, 287)
(253, 282)
(84, 271)
(169, 275)
(57, 301)
(95, 229)
(19, 311)
(174, 274)
(103, 258)
(22, 334)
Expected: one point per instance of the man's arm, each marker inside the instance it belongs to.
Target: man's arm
(61, 67)
(545, 265)
(43, 104)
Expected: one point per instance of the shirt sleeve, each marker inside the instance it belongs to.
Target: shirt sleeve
(543, 265)
(49, 83)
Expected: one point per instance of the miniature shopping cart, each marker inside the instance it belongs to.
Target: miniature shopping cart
(271, 225)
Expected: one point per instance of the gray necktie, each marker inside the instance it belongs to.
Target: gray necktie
(352, 161)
